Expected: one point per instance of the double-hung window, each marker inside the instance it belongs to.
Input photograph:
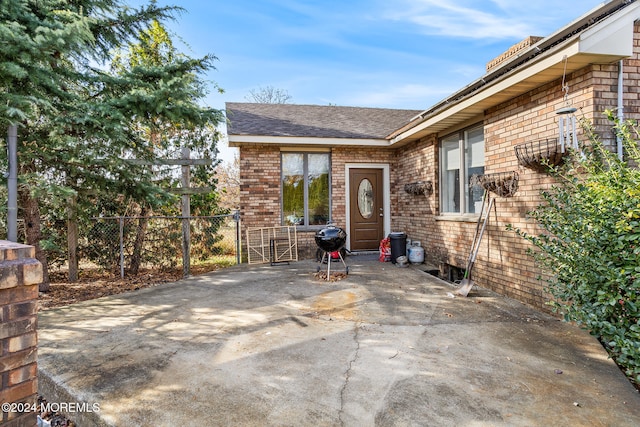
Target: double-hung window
(305, 188)
(461, 157)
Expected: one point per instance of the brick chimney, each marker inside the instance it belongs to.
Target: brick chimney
(513, 51)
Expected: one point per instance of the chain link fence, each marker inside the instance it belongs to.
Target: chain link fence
(127, 244)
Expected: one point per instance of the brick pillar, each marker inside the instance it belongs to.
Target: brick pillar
(20, 274)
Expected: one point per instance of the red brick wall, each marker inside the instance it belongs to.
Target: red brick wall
(415, 214)
(260, 187)
(503, 263)
(632, 78)
(20, 275)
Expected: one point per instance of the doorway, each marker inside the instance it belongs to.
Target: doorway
(368, 210)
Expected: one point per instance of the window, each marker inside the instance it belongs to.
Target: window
(305, 188)
(461, 157)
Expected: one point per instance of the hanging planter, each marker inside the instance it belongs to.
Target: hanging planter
(419, 188)
(540, 155)
(503, 184)
(543, 154)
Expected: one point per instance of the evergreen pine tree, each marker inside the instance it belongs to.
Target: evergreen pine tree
(78, 122)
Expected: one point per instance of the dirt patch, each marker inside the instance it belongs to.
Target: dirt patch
(95, 283)
(334, 277)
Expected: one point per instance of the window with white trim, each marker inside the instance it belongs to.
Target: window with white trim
(461, 157)
(305, 188)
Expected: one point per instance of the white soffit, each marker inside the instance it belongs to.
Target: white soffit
(606, 42)
(239, 140)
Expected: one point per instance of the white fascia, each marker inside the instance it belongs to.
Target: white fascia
(238, 140)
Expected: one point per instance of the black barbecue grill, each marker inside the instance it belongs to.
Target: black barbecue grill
(330, 240)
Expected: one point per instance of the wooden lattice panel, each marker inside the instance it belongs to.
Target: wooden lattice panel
(272, 244)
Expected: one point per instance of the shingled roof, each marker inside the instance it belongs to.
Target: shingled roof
(319, 121)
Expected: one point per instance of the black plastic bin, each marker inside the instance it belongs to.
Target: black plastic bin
(398, 245)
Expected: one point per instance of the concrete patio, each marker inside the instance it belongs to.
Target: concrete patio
(275, 346)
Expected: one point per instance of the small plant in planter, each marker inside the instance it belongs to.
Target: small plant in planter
(502, 184)
(419, 188)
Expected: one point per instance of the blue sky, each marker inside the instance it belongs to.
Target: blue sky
(369, 53)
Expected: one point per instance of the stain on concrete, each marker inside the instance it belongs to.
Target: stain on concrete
(421, 401)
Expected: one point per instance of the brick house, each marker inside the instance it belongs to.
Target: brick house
(302, 165)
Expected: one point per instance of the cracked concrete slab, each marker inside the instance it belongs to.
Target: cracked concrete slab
(263, 345)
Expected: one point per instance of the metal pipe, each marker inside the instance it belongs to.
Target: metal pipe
(186, 216)
(620, 106)
(574, 136)
(236, 218)
(561, 133)
(121, 224)
(12, 184)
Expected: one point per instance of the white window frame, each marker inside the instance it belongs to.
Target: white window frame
(463, 146)
(306, 188)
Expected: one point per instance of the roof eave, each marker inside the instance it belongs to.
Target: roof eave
(284, 141)
(605, 42)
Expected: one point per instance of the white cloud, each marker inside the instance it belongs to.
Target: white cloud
(494, 19)
(448, 18)
(410, 96)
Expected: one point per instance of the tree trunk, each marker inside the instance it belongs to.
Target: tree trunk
(72, 238)
(31, 215)
(136, 257)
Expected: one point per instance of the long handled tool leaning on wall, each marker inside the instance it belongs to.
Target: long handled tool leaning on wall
(504, 184)
(467, 283)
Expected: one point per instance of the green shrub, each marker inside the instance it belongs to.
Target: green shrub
(590, 243)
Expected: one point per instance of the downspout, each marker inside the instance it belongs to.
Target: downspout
(620, 106)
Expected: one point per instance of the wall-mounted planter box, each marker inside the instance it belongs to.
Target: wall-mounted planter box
(419, 188)
(503, 184)
(540, 155)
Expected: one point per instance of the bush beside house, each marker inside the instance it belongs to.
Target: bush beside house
(590, 244)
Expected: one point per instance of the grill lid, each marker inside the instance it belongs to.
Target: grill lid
(331, 238)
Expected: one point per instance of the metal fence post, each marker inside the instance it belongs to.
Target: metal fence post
(121, 222)
(186, 216)
(236, 218)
